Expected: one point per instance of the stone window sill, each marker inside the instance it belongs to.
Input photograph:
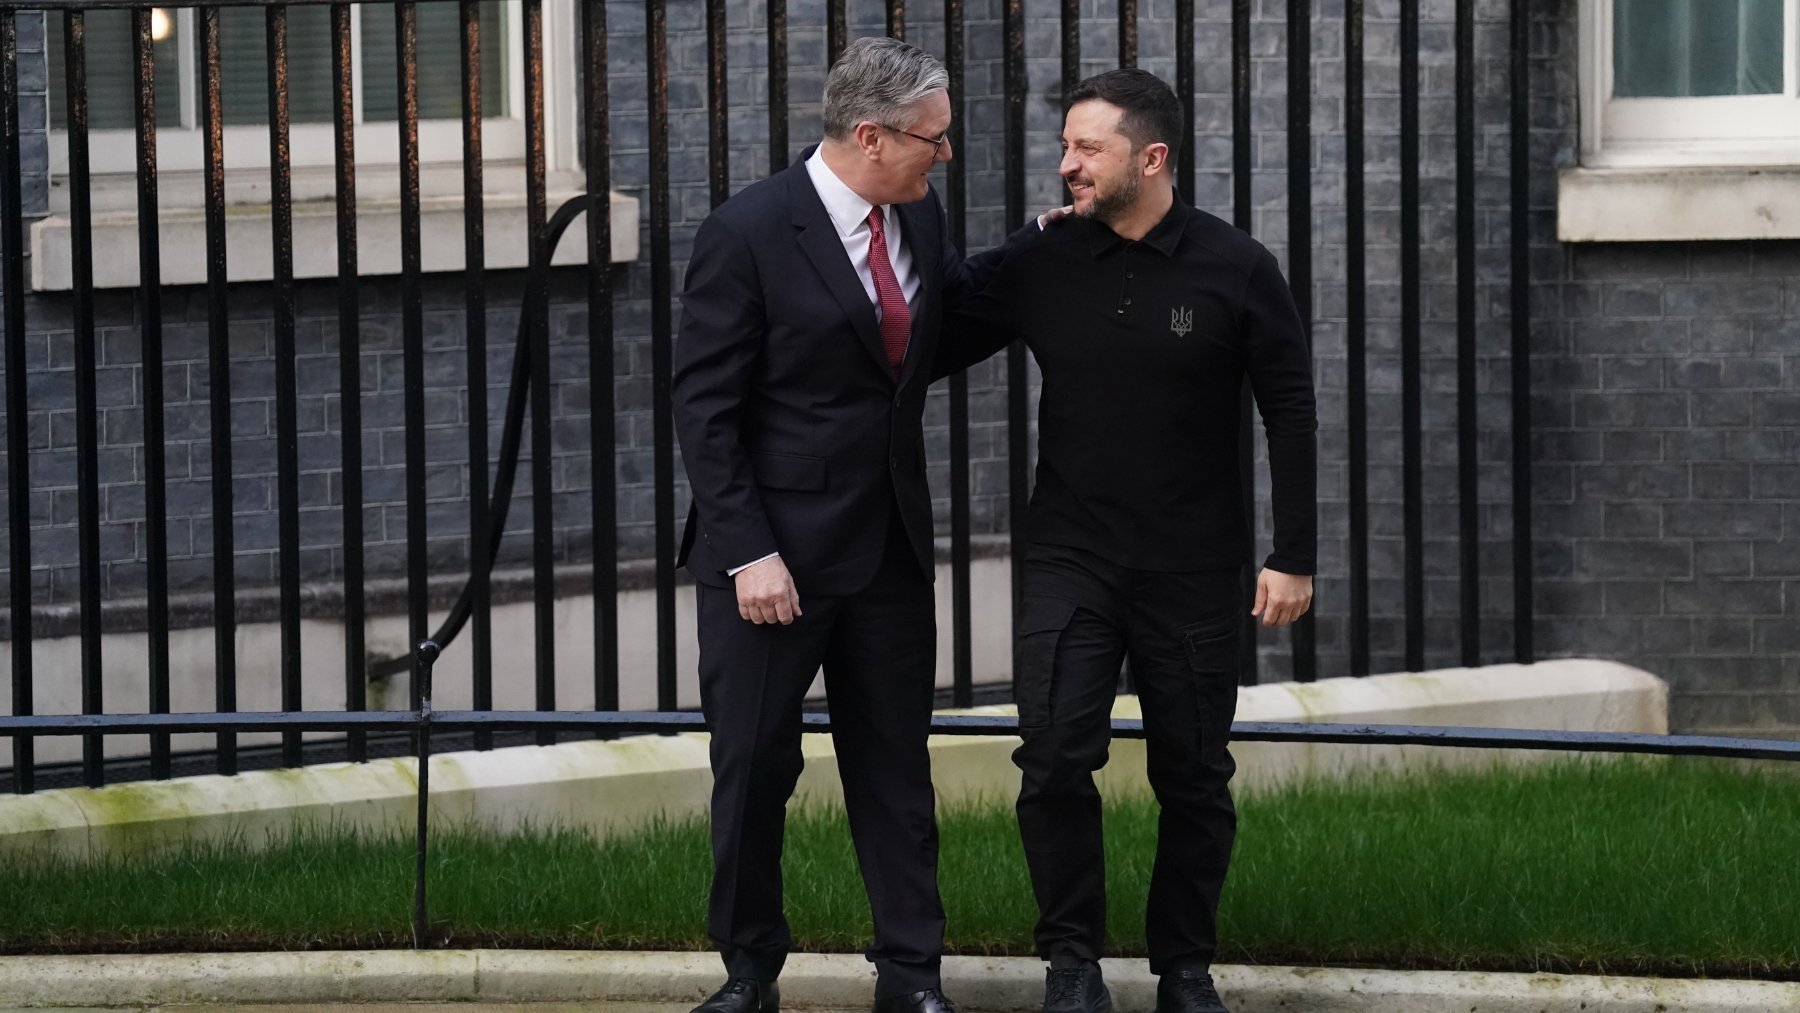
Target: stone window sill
(1660, 205)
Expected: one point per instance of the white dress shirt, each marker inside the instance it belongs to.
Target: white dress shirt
(850, 216)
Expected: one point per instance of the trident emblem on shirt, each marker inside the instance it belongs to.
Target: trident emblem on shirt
(1181, 321)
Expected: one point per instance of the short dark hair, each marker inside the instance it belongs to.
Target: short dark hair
(1152, 112)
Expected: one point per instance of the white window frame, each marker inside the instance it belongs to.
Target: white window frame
(180, 184)
(182, 148)
(1743, 131)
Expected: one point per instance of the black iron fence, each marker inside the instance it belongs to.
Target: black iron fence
(487, 505)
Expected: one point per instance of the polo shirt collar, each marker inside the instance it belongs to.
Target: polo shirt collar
(1164, 237)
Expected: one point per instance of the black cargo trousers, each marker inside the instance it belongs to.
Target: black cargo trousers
(1082, 615)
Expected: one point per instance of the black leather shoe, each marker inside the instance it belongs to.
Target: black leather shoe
(1188, 992)
(743, 995)
(1076, 990)
(930, 1000)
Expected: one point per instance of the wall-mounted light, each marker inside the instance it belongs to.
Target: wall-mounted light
(161, 24)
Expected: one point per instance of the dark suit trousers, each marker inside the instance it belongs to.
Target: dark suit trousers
(878, 648)
(1082, 616)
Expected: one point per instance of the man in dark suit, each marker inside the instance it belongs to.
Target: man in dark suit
(809, 327)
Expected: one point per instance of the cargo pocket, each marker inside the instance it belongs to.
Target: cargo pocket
(1212, 643)
(1042, 620)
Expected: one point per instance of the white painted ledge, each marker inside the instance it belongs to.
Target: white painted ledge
(815, 980)
(613, 787)
(1656, 205)
(249, 228)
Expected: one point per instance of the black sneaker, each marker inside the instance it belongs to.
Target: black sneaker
(1188, 992)
(1076, 990)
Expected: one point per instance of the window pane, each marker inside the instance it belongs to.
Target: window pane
(244, 64)
(1689, 48)
(439, 40)
(111, 84)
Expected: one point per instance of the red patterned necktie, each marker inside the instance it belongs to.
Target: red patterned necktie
(896, 319)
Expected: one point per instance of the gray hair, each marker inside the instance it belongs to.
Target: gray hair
(879, 79)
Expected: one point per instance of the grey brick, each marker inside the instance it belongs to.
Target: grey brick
(1719, 597)
(1605, 558)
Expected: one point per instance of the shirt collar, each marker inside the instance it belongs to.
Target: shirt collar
(1164, 237)
(848, 211)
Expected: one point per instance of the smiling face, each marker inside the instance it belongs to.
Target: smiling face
(901, 161)
(1104, 172)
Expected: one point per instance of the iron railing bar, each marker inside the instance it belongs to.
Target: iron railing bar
(218, 330)
(718, 105)
(1018, 397)
(1071, 48)
(1412, 478)
(156, 536)
(777, 30)
(1186, 166)
(1243, 216)
(287, 449)
(537, 311)
(1128, 34)
(1300, 254)
(662, 348)
(603, 433)
(350, 429)
(87, 413)
(657, 722)
(18, 429)
(1468, 460)
(956, 186)
(1520, 159)
(412, 328)
(1355, 338)
(481, 659)
(837, 31)
(896, 18)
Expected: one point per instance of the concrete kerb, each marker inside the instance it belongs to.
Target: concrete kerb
(1001, 984)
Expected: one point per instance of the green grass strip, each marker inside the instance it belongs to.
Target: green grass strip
(1687, 867)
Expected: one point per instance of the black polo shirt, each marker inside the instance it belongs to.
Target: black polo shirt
(1143, 348)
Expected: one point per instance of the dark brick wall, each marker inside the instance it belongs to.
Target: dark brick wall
(1666, 377)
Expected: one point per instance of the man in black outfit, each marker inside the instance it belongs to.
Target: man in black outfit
(809, 331)
(1145, 316)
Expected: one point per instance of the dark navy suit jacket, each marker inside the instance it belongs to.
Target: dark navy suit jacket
(796, 436)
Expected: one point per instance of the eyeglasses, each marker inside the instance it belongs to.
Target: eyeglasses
(937, 143)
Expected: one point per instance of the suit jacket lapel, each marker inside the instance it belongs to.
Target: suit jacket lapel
(819, 239)
(919, 230)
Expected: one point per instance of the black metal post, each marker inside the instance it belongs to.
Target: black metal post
(1018, 397)
(1356, 337)
(962, 625)
(1468, 462)
(218, 335)
(18, 429)
(87, 413)
(287, 439)
(662, 350)
(481, 657)
(156, 533)
(349, 368)
(1412, 478)
(597, 150)
(1300, 263)
(1520, 157)
(537, 313)
(425, 655)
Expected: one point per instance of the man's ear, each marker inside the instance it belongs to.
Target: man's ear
(1155, 157)
(868, 138)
